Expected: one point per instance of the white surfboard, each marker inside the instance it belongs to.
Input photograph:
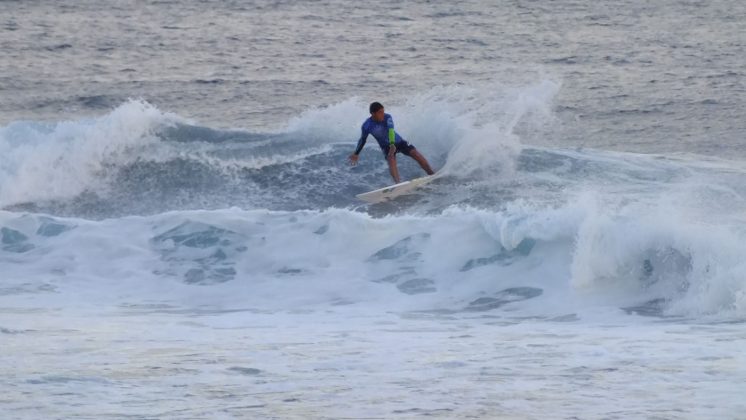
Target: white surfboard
(389, 193)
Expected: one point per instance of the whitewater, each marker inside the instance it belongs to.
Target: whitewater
(169, 249)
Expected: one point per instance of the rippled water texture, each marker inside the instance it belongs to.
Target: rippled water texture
(636, 76)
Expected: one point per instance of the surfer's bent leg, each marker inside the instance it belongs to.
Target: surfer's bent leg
(414, 154)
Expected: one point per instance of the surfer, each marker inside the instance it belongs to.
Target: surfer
(381, 126)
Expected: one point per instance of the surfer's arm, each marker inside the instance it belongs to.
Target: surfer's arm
(392, 140)
(360, 143)
(392, 133)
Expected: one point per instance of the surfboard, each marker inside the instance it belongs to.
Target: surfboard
(393, 191)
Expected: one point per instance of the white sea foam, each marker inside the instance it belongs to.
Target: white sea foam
(60, 160)
(285, 260)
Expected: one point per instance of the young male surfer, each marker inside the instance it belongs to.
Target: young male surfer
(381, 126)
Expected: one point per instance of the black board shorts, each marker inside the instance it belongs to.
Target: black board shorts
(401, 147)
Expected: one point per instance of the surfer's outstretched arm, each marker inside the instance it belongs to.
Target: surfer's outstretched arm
(360, 143)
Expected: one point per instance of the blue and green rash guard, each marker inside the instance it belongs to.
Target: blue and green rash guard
(383, 132)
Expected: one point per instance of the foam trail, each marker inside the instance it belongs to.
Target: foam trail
(487, 133)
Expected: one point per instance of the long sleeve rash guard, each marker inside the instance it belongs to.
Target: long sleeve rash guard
(383, 132)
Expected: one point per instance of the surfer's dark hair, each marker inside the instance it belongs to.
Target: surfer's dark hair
(375, 106)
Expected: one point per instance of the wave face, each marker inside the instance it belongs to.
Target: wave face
(139, 160)
(652, 235)
(241, 211)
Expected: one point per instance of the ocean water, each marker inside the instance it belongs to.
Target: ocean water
(180, 238)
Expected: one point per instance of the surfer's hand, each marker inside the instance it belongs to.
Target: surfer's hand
(353, 159)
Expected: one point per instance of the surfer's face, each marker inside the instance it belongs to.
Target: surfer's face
(378, 115)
